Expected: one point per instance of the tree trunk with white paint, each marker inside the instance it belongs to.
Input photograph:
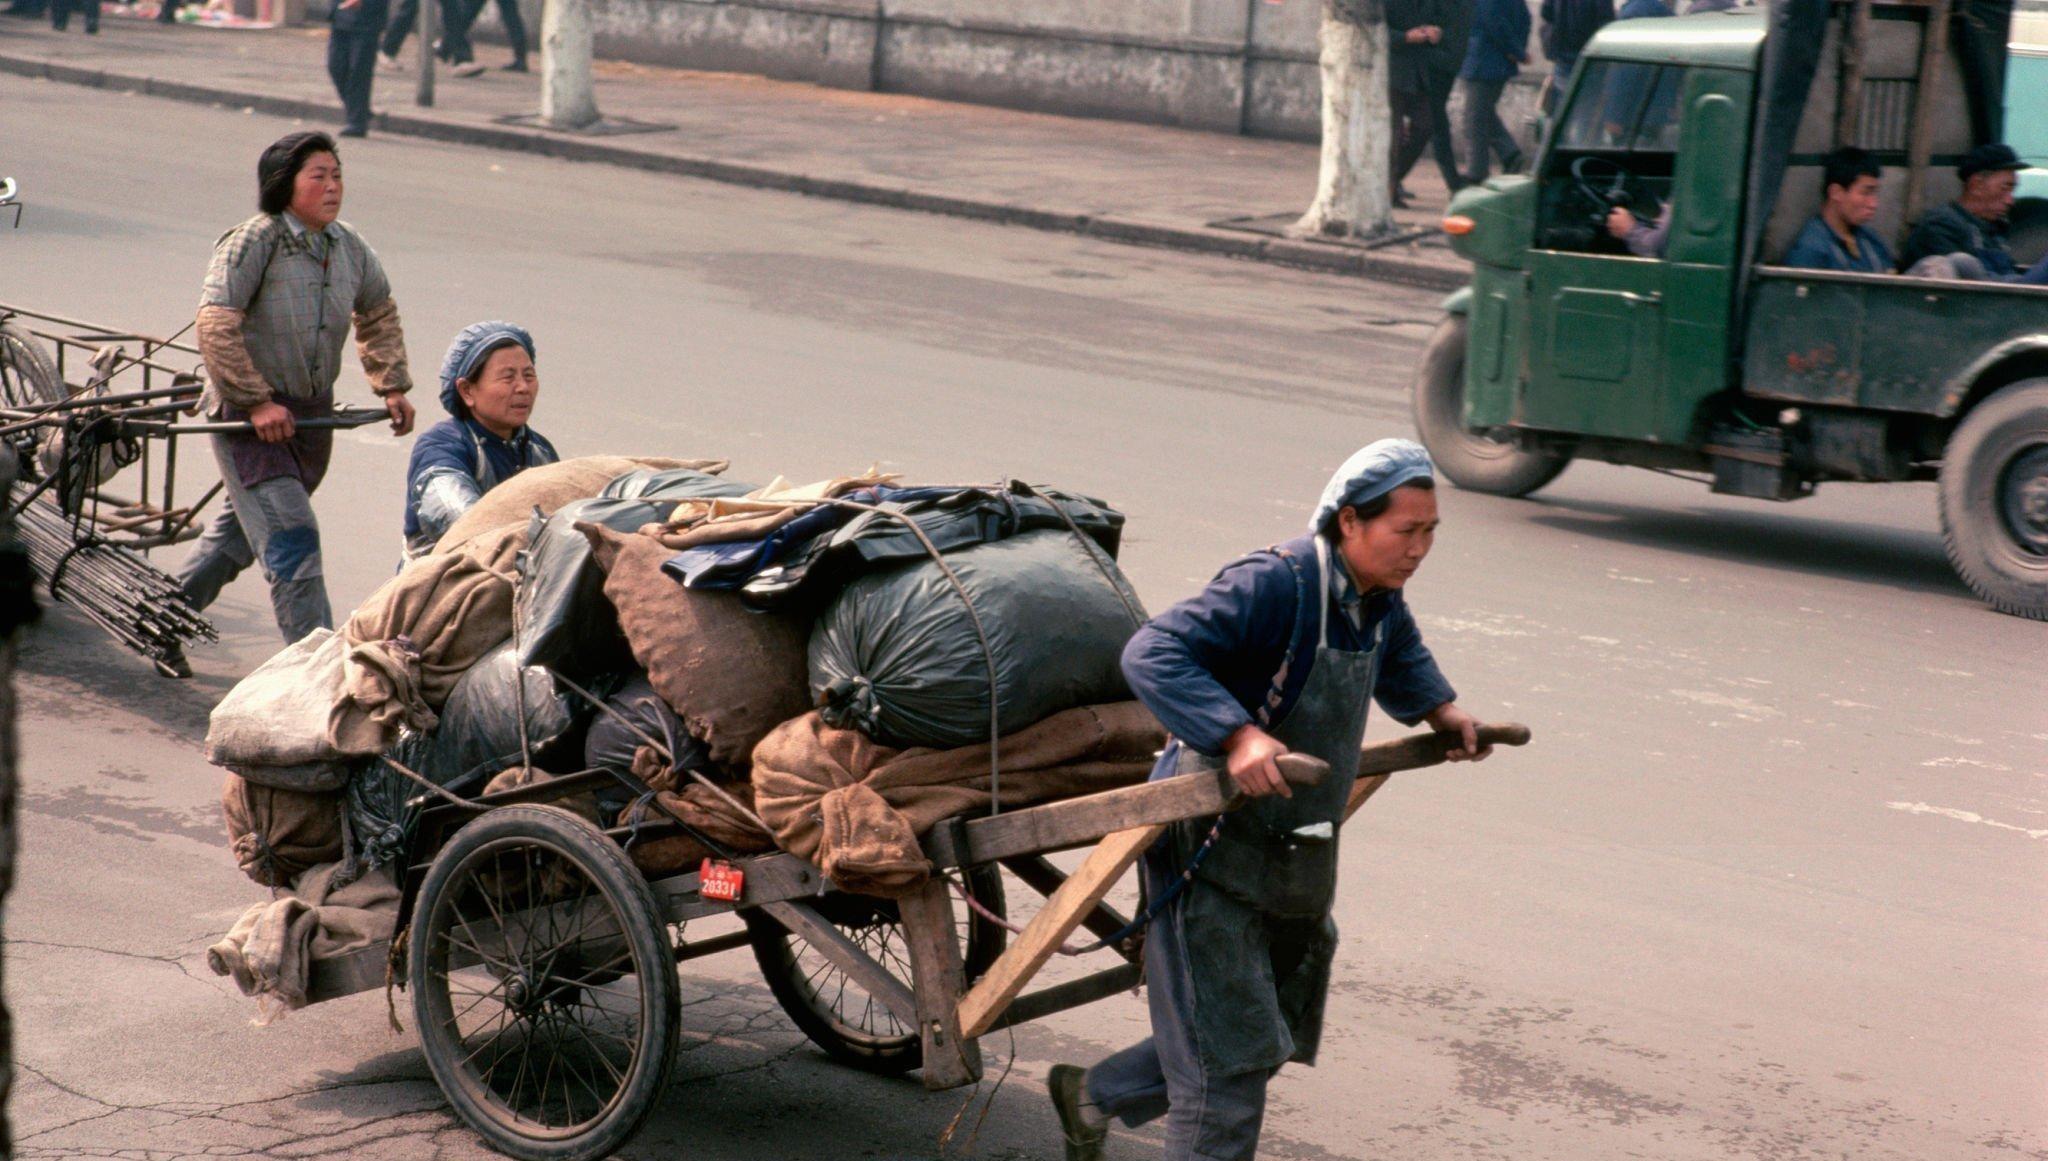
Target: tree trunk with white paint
(1353, 198)
(568, 99)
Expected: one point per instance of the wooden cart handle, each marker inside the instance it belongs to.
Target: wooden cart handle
(1419, 750)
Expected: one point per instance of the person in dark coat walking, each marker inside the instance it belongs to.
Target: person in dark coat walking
(352, 58)
(453, 47)
(1429, 38)
(1500, 46)
(1567, 26)
(1283, 652)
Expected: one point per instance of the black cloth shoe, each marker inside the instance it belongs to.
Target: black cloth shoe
(1068, 1085)
(517, 66)
(353, 131)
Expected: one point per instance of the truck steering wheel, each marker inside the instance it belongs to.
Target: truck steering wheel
(1616, 192)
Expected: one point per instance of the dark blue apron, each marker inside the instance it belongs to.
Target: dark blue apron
(1260, 937)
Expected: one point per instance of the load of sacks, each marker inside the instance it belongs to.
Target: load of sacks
(820, 669)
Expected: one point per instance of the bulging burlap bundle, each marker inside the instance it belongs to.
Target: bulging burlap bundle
(731, 674)
(855, 807)
(275, 834)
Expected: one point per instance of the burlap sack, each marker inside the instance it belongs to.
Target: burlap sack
(407, 645)
(276, 718)
(549, 487)
(855, 808)
(731, 674)
(278, 834)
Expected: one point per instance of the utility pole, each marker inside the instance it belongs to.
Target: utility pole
(424, 95)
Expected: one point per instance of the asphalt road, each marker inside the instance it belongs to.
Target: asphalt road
(1772, 882)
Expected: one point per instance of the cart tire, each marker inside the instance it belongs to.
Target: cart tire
(1471, 459)
(1994, 500)
(27, 375)
(835, 1012)
(552, 1049)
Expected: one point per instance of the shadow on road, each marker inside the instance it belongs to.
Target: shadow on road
(1868, 553)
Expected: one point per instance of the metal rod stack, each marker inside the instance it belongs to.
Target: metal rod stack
(129, 597)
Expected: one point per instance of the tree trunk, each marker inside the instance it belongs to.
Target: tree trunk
(567, 98)
(1353, 198)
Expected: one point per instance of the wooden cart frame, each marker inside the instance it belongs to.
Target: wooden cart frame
(948, 1007)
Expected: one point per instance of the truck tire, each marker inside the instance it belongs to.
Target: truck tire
(1994, 500)
(1471, 459)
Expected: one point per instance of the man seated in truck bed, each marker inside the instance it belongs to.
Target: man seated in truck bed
(1839, 236)
(1970, 230)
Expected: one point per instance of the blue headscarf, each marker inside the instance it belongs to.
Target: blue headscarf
(467, 354)
(1372, 472)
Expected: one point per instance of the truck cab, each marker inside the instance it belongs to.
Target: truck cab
(1695, 351)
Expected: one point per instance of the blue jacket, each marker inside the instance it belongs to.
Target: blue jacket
(452, 445)
(1204, 664)
(1567, 26)
(1818, 247)
(1500, 41)
(1637, 9)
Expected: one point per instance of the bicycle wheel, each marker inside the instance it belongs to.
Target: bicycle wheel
(544, 985)
(836, 1013)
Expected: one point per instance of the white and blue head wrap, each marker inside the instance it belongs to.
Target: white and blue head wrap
(467, 353)
(1371, 472)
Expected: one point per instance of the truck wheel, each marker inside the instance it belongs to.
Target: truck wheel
(1471, 459)
(1994, 500)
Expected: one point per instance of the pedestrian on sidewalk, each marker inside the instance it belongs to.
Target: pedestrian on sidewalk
(1500, 46)
(510, 20)
(1446, 56)
(1284, 652)
(1567, 26)
(61, 10)
(280, 296)
(405, 20)
(1409, 36)
(352, 59)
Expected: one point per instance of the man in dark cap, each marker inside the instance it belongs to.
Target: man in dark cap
(488, 386)
(1973, 226)
(280, 297)
(1285, 651)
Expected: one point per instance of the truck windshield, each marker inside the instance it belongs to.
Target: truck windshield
(1626, 106)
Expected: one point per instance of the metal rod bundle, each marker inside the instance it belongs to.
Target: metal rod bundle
(133, 600)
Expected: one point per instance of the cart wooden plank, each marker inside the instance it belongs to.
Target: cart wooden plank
(847, 956)
(1076, 822)
(1051, 926)
(938, 978)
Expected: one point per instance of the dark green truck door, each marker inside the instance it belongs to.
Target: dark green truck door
(1627, 346)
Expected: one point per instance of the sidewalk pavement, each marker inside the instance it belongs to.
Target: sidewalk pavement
(1114, 180)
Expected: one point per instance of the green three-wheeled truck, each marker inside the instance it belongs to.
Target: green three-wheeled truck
(1713, 359)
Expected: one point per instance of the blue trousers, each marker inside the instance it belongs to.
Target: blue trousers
(271, 523)
(1208, 1118)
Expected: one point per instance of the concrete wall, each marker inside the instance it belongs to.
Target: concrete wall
(1234, 66)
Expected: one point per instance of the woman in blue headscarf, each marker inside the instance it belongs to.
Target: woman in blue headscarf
(488, 386)
(1282, 652)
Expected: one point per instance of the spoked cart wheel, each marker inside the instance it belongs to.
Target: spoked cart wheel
(837, 1014)
(544, 984)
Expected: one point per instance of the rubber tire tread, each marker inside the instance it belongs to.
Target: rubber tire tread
(643, 921)
(1438, 398)
(1971, 525)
